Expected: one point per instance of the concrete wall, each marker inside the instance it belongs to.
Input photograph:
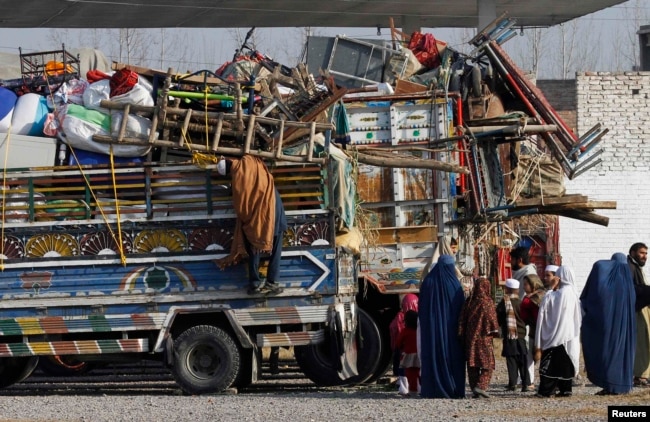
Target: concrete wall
(620, 102)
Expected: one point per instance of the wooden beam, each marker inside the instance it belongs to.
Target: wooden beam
(413, 234)
(196, 79)
(603, 205)
(405, 162)
(587, 216)
(550, 200)
(555, 208)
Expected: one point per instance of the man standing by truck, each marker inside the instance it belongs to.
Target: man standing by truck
(261, 220)
(636, 259)
(521, 267)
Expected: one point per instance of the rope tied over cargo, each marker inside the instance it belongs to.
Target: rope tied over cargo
(120, 245)
(118, 238)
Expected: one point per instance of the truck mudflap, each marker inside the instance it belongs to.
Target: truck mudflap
(342, 330)
(350, 353)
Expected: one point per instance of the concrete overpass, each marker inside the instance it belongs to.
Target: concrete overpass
(407, 14)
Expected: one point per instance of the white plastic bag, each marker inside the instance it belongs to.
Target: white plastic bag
(136, 126)
(80, 124)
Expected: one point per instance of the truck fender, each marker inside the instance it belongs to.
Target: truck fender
(239, 331)
(164, 341)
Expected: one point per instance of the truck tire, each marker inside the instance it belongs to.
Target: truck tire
(385, 357)
(320, 364)
(206, 360)
(14, 370)
(63, 366)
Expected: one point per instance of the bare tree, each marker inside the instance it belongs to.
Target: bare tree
(530, 49)
(59, 37)
(588, 46)
(570, 51)
(133, 46)
(240, 38)
(567, 33)
(458, 39)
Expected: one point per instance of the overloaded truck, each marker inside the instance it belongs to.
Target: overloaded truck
(108, 262)
(105, 258)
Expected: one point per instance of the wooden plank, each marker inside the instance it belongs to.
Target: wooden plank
(587, 216)
(413, 234)
(566, 199)
(603, 205)
(557, 208)
(410, 162)
(406, 87)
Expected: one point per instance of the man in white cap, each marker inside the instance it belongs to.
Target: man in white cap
(514, 336)
(558, 336)
(549, 273)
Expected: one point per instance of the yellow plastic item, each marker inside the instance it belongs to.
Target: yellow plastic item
(54, 68)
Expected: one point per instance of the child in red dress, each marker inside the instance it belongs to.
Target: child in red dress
(407, 343)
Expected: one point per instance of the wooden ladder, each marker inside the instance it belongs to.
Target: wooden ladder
(238, 125)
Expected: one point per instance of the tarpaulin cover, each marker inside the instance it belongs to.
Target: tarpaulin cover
(342, 126)
(343, 184)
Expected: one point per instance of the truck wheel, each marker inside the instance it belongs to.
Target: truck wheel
(319, 362)
(385, 358)
(14, 370)
(63, 366)
(206, 360)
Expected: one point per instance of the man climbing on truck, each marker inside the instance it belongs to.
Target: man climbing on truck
(261, 220)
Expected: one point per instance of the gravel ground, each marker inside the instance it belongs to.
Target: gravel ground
(151, 395)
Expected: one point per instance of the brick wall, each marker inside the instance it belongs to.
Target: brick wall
(621, 103)
(561, 94)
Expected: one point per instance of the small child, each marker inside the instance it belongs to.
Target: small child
(513, 331)
(407, 343)
(409, 303)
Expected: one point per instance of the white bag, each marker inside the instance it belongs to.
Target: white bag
(95, 93)
(136, 126)
(80, 124)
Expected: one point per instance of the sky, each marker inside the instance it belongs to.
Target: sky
(605, 37)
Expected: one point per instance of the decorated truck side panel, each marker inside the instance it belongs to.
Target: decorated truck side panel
(402, 207)
(105, 262)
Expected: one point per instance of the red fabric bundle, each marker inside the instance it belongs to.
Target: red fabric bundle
(425, 48)
(95, 75)
(123, 81)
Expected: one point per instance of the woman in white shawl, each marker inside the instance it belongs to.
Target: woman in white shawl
(558, 335)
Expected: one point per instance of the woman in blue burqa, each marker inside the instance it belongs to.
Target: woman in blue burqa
(442, 360)
(609, 325)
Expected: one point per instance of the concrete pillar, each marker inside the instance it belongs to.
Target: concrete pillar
(487, 12)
